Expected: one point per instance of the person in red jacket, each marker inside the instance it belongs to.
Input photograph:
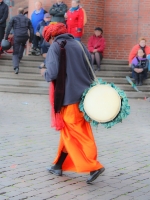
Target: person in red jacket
(142, 45)
(96, 46)
(75, 20)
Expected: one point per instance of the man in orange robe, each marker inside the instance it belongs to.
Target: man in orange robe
(70, 76)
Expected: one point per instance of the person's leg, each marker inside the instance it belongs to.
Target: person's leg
(98, 60)
(15, 58)
(21, 49)
(78, 39)
(136, 77)
(93, 60)
(141, 77)
(2, 32)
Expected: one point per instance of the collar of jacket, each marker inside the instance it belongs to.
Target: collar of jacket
(1, 2)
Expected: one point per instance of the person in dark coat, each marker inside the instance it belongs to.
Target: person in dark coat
(69, 74)
(20, 25)
(58, 11)
(3, 18)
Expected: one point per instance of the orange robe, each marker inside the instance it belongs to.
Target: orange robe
(78, 140)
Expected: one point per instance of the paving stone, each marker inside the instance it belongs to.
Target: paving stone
(28, 145)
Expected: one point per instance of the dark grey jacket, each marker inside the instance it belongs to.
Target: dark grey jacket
(3, 14)
(20, 25)
(58, 12)
(78, 76)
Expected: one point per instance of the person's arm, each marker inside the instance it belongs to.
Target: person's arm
(146, 66)
(80, 20)
(61, 11)
(101, 45)
(133, 54)
(52, 62)
(30, 27)
(10, 26)
(53, 10)
(5, 15)
(38, 27)
(90, 46)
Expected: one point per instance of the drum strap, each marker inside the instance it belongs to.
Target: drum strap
(95, 78)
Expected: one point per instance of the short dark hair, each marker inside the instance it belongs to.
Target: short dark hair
(99, 29)
(21, 10)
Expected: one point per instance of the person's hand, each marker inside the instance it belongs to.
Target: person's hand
(37, 34)
(65, 16)
(43, 71)
(30, 43)
(140, 70)
(136, 70)
(10, 36)
(95, 50)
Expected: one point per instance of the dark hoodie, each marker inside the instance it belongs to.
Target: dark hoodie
(78, 76)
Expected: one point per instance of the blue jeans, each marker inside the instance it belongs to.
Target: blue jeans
(78, 39)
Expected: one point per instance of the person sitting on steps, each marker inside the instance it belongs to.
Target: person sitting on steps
(96, 46)
(139, 67)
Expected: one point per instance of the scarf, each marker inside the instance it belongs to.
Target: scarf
(57, 90)
(74, 9)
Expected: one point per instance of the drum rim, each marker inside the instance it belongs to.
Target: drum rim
(124, 111)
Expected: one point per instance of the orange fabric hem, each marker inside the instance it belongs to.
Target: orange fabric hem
(78, 140)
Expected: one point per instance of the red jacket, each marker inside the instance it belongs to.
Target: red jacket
(75, 21)
(96, 43)
(134, 51)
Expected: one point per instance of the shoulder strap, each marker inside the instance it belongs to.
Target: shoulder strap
(95, 78)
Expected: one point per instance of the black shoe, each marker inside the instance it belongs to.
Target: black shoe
(136, 83)
(16, 70)
(94, 175)
(99, 69)
(57, 172)
(140, 83)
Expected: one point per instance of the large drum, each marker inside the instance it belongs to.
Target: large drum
(102, 103)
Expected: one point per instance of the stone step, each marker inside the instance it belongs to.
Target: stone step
(44, 91)
(40, 58)
(120, 74)
(122, 80)
(23, 83)
(33, 64)
(21, 76)
(44, 84)
(27, 70)
(101, 73)
(24, 90)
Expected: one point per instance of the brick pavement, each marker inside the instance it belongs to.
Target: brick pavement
(28, 145)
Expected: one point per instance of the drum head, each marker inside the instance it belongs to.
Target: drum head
(102, 103)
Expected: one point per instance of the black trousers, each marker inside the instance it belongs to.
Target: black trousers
(18, 49)
(2, 32)
(36, 41)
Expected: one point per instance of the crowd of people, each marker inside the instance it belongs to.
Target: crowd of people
(75, 19)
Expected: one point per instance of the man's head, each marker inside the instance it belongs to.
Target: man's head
(53, 30)
(58, 1)
(75, 3)
(98, 31)
(142, 42)
(47, 17)
(38, 5)
(140, 53)
(20, 11)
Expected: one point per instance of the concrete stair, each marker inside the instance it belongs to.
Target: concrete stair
(30, 81)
